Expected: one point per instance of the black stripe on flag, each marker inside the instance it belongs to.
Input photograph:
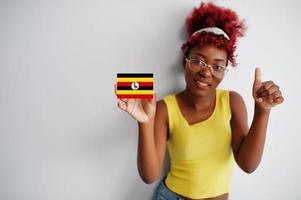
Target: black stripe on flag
(130, 88)
(135, 75)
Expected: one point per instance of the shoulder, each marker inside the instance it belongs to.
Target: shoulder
(161, 104)
(236, 101)
(161, 110)
(166, 102)
(161, 119)
(164, 107)
(235, 96)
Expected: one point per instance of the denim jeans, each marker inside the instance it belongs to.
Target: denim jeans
(163, 193)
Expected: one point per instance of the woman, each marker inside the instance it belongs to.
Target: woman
(204, 128)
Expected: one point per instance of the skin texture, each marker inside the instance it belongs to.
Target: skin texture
(197, 104)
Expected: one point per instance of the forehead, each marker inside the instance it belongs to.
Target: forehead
(209, 52)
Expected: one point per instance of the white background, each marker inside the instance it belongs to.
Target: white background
(61, 134)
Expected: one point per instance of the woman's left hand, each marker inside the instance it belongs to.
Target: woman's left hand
(266, 94)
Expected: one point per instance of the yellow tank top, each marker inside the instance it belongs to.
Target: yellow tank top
(201, 156)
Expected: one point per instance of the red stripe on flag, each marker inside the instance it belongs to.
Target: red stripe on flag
(130, 83)
(135, 96)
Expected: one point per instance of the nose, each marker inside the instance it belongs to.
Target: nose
(205, 72)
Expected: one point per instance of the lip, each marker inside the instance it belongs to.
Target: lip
(201, 84)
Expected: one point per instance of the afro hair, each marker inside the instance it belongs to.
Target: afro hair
(211, 15)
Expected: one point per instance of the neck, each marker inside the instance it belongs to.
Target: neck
(198, 102)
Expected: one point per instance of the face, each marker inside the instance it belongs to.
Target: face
(203, 82)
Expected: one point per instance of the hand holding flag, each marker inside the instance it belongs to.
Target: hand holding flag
(136, 95)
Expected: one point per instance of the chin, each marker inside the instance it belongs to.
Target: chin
(201, 91)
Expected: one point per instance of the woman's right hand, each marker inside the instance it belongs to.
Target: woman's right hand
(141, 110)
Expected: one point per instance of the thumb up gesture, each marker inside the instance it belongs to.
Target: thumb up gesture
(266, 94)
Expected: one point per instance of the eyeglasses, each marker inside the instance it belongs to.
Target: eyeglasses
(196, 65)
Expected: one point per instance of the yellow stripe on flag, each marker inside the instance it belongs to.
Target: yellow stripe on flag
(135, 92)
(135, 79)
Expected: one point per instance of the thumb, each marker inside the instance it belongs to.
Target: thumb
(257, 78)
(257, 84)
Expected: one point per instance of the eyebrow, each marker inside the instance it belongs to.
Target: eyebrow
(215, 59)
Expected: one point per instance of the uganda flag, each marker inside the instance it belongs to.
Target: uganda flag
(135, 85)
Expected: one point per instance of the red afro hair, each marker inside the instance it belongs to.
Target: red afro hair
(210, 15)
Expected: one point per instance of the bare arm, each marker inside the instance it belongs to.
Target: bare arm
(152, 145)
(248, 144)
(153, 130)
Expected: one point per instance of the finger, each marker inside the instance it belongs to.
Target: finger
(115, 89)
(265, 86)
(271, 90)
(133, 107)
(260, 99)
(273, 97)
(122, 105)
(257, 78)
(275, 101)
(276, 94)
(124, 100)
(269, 99)
(257, 83)
(279, 100)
